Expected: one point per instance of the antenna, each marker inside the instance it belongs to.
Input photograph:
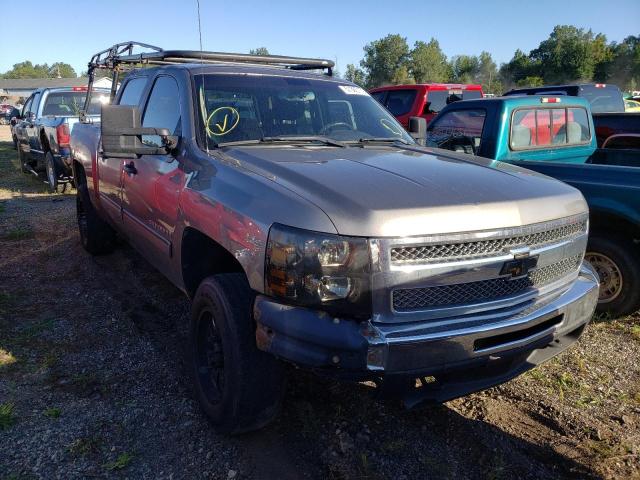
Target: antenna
(201, 98)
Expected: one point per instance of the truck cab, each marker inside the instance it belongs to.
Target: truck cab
(555, 135)
(422, 100)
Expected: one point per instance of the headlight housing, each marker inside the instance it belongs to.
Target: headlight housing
(319, 270)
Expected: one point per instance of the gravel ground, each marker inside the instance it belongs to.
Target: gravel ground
(93, 384)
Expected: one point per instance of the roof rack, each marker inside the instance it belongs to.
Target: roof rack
(120, 56)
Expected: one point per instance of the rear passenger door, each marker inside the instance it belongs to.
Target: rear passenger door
(152, 183)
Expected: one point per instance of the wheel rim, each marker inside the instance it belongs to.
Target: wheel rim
(51, 174)
(210, 358)
(82, 220)
(611, 281)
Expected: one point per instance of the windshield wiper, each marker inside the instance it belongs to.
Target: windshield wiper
(305, 139)
(364, 141)
(285, 139)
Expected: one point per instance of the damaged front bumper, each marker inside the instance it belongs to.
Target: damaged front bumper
(477, 354)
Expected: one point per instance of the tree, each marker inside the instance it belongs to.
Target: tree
(384, 58)
(62, 70)
(488, 74)
(259, 51)
(624, 68)
(355, 75)
(566, 55)
(518, 68)
(465, 68)
(27, 70)
(530, 82)
(428, 63)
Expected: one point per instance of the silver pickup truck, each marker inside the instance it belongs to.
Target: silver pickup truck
(308, 227)
(41, 133)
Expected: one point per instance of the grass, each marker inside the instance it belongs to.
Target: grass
(5, 301)
(19, 233)
(7, 417)
(635, 332)
(123, 460)
(52, 412)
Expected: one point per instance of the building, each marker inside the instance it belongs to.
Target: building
(23, 87)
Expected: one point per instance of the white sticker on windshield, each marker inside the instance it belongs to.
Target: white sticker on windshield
(352, 90)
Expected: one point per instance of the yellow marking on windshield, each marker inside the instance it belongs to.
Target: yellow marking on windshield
(223, 124)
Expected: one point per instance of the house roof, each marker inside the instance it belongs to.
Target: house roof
(33, 83)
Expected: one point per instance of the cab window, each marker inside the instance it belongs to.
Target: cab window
(399, 102)
(458, 130)
(162, 110)
(549, 127)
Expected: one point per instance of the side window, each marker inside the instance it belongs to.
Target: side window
(399, 102)
(459, 130)
(34, 103)
(27, 107)
(162, 110)
(132, 91)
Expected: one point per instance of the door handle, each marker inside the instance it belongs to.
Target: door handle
(130, 168)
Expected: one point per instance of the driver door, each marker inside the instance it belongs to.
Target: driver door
(152, 183)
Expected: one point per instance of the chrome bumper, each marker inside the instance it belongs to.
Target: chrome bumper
(461, 360)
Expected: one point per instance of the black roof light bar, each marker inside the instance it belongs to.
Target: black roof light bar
(120, 57)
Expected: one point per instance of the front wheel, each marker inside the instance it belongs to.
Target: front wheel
(56, 184)
(239, 387)
(617, 262)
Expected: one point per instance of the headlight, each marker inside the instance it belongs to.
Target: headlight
(319, 270)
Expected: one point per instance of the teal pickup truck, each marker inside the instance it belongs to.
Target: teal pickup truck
(556, 137)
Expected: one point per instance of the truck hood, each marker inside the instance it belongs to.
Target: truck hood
(391, 192)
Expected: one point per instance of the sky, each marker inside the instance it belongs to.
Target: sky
(71, 31)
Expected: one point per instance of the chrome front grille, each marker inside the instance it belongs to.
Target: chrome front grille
(449, 252)
(487, 290)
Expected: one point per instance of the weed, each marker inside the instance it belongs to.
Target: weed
(536, 374)
(84, 446)
(6, 358)
(7, 418)
(635, 332)
(123, 460)
(52, 412)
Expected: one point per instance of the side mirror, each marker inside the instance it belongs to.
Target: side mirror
(418, 129)
(121, 133)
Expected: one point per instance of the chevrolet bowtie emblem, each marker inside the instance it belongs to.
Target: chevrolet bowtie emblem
(520, 266)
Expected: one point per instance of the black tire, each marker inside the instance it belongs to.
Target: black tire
(96, 235)
(239, 387)
(52, 170)
(617, 262)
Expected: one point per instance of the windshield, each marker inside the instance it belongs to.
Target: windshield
(254, 107)
(68, 104)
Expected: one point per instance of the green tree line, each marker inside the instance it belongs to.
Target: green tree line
(27, 69)
(569, 54)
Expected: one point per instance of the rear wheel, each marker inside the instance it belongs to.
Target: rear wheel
(239, 387)
(96, 235)
(54, 176)
(617, 263)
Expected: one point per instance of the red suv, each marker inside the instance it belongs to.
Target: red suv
(422, 100)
